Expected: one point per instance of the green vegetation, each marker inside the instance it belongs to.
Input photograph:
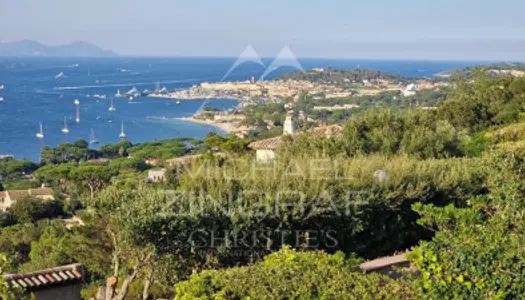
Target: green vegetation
(467, 71)
(445, 185)
(31, 209)
(289, 274)
(339, 77)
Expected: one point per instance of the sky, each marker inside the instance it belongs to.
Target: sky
(374, 29)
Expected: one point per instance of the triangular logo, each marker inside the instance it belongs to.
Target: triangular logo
(249, 54)
(285, 58)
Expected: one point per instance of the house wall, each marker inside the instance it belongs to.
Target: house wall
(61, 292)
(156, 175)
(5, 203)
(265, 155)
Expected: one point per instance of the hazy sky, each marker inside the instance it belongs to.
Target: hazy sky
(403, 29)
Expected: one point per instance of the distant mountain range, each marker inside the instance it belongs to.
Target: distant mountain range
(34, 48)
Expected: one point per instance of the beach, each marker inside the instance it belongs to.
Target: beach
(227, 127)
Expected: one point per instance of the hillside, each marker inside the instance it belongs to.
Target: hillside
(339, 76)
(495, 69)
(34, 48)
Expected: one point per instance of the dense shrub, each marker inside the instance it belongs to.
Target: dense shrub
(288, 274)
(340, 195)
(32, 209)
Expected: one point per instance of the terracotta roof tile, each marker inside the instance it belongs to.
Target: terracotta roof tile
(266, 144)
(41, 192)
(18, 194)
(46, 277)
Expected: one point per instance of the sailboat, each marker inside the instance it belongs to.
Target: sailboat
(122, 134)
(40, 134)
(118, 94)
(112, 107)
(92, 139)
(65, 130)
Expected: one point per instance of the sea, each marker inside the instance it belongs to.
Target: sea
(32, 95)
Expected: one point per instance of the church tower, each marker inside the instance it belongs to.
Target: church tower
(289, 126)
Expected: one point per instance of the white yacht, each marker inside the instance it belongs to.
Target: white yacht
(133, 91)
(122, 134)
(92, 139)
(77, 102)
(60, 75)
(1, 87)
(65, 130)
(1, 99)
(40, 134)
(112, 107)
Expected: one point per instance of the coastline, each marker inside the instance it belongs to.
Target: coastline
(227, 127)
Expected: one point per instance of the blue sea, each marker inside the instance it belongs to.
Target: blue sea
(33, 95)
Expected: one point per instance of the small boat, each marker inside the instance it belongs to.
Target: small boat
(130, 98)
(133, 91)
(77, 102)
(1, 99)
(118, 94)
(102, 96)
(112, 107)
(92, 139)
(65, 130)
(1, 87)
(60, 75)
(40, 134)
(99, 118)
(178, 102)
(122, 134)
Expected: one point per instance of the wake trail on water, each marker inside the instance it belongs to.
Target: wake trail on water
(22, 69)
(82, 87)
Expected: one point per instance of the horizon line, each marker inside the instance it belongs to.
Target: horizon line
(270, 58)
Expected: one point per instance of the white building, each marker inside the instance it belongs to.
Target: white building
(410, 90)
(265, 149)
(8, 198)
(156, 175)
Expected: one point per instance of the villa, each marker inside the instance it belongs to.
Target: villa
(8, 198)
(156, 175)
(265, 149)
(61, 283)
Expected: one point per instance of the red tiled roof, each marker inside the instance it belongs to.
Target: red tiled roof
(18, 194)
(267, 144)
(41, 192)
(46, 277)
